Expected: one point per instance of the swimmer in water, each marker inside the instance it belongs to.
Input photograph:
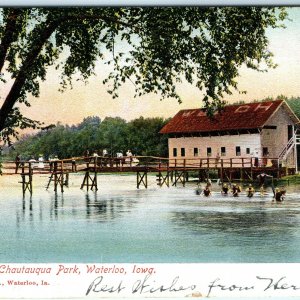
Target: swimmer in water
(236, 189)
(278, 195)
(206, 191)
(250, 191)
(225, 189)
(199, 189)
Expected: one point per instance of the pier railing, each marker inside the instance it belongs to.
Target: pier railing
(132, 163)
(175, 170)
(210, 163)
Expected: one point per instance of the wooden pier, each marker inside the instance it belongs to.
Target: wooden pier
(175, 171)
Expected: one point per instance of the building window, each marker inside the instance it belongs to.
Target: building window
(238, 151)
(174, 152)
(182, 151)
(223, 151)
(247, 150)
(196, 152)
(208, 151)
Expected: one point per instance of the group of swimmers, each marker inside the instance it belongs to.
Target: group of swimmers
(279, 194)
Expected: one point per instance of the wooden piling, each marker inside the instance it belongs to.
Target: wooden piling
(26, 178)
(87, 177)
(141, 178)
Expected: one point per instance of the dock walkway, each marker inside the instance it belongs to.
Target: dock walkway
(167, 170)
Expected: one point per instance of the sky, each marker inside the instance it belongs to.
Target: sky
(92, 99)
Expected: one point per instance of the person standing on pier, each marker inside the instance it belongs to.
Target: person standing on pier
(74, 166)
(17, 160)
(41, 162)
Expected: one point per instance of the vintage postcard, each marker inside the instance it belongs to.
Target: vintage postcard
(149, 152)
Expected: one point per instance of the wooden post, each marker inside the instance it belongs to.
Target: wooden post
(146, 185)
(221, 171)
(141, 179)
(172, 176)
(87, 176)
(168, 175)
(26, 182)
(23, 178)
(95, 183)
(30, 178)
(251, 168)
(61, 176)
(158, 179)
(66, 182)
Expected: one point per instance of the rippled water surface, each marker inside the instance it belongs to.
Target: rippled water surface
(122, 224)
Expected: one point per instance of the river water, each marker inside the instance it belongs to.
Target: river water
(120, 223)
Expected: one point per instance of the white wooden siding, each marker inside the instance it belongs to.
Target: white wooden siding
(230, 142)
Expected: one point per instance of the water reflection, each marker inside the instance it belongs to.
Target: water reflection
(106, 209)
(90, 206)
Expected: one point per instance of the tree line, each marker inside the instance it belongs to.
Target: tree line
(140, 135)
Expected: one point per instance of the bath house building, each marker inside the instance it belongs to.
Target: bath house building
(265, 131)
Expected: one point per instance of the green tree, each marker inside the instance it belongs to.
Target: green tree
(114, 134)
(294, 103)
(204, 46)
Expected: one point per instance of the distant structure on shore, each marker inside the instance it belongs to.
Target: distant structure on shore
(266, 131)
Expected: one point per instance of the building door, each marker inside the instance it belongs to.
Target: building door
(290, 132)
(265, 151)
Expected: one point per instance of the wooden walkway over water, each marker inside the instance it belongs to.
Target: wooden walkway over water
(168, 171)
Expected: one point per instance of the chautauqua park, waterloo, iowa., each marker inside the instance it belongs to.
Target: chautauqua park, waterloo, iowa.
(125, 166)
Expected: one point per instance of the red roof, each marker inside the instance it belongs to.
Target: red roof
(233, 117)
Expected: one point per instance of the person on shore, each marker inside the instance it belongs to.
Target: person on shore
(225, 189)
(17, 161)
(250, 191)
(86, 155)
(206, 191)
